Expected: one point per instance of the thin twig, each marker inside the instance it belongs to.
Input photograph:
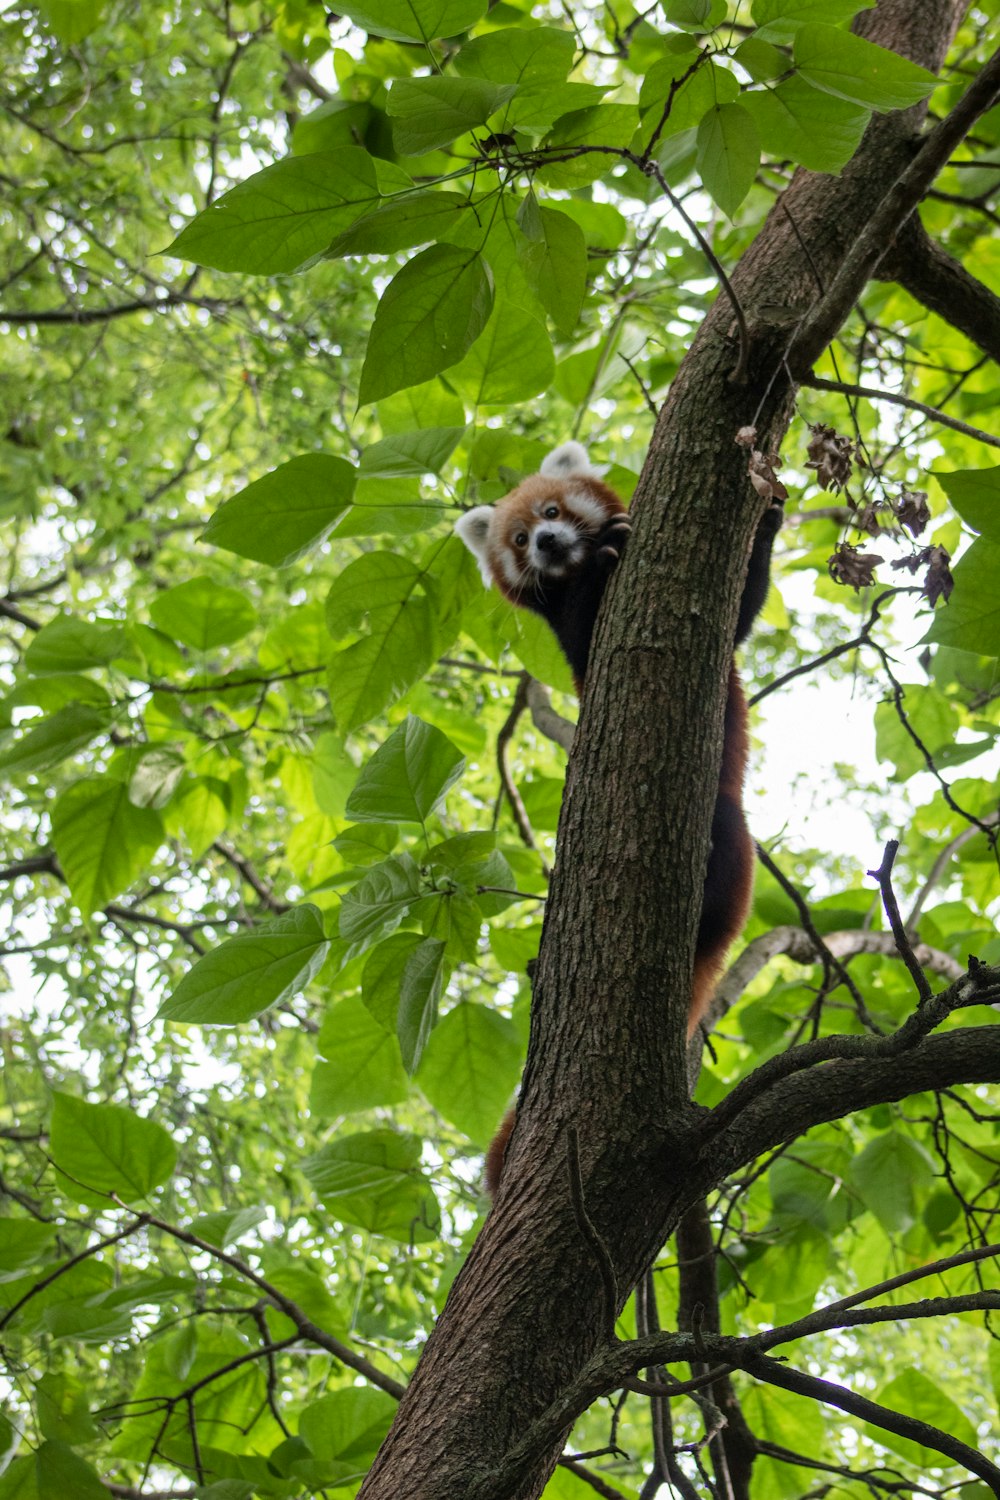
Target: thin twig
(884, 877)
(872, 393)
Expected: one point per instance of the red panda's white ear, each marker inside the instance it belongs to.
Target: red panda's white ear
(566, 460)
(474, 529)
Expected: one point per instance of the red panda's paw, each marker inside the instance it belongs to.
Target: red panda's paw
(609, 543)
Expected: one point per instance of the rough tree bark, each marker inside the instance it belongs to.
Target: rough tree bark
(608, 1153)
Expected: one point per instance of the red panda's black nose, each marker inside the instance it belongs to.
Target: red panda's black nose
(547, 541)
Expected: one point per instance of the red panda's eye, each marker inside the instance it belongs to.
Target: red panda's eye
(551, 511)
(521, 539)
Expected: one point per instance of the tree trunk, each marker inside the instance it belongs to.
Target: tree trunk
(599, 1166)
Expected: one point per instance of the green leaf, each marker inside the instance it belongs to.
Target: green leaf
(60, 1471)
(199, 814)
(283, 217)
(431, 312)
(781, 19)
(811, 127)
(55, 739)
(23, 1243)
(203, 613)
(374, 1180)
(915, 1394)
(601, 125)
(347, 1425)
(852, 68)
(696, 15)
(363, 1068)
(708, 87)
(386, 589)
(228, 1227)
(71, 20)
(283, 515)
(69, 645)
(537, 59)
(379, 902)
(930, 716)
(102, 840)
(728, 154)
(470, 1068)
(251, 972)
(382, 977)
(971, 619)
(108, 1148)
(432, 112)
(889, 1173)
(64, 1409)
(404, 222)
(762, 61)
(407, 776)
(511, 361)
(554, 260)
(410, 453)
(975, 494)
(414, 20)
(421, 983)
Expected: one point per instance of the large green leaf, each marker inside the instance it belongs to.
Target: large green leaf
(402, 223)
(685, 104)
(554, 260)
(404, 454)
(432, 112)
(915, 1395)
(889, 1174)
(407, 776)
(429, 315)
(55, 739)
(470, 1067)
(812, 127)
(510, 361)
(108, 1148)
(348, 1425)
(102, 840)
(252, 971)
(374, 1180)
(602, 126)
(66, 644)
(537, 59)
(364, 678)
(728, 154)
(379, 902)
(975, 494)
(203, 613)
(971, 619)
(414, 20)
(853, 68)
(281, 218)
(363, 1066)
(281, 516)
(421, 983)
(779, 20)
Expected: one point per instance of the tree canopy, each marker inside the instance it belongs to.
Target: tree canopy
(282, 292)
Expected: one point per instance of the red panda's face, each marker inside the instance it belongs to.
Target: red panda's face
(540, 532)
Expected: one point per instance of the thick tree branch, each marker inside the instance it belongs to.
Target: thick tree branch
(859, 264)
(944, 286)
(776, 1373)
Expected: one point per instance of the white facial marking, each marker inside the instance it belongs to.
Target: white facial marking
(569, 550)
(510, 568)
(589, 510)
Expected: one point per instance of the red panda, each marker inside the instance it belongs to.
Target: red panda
(551, 546)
